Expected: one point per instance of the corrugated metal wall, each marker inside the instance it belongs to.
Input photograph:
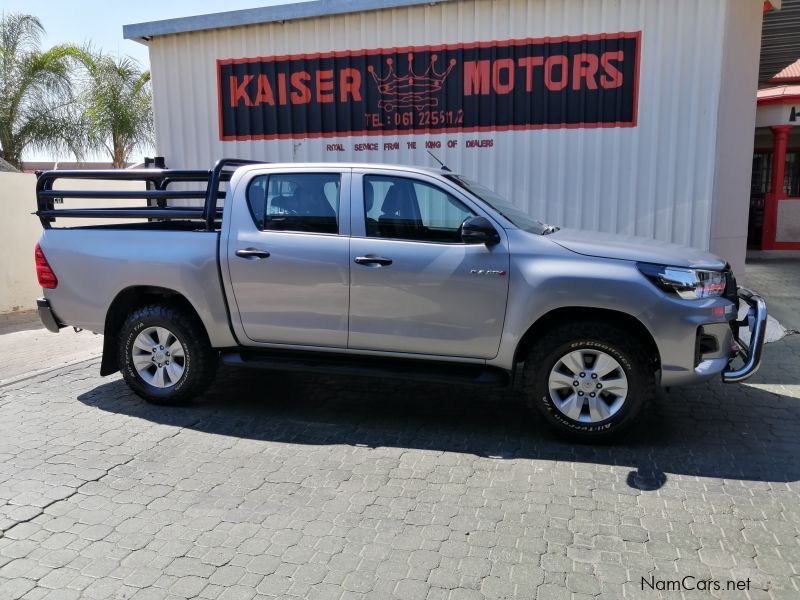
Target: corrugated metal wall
(655, 179)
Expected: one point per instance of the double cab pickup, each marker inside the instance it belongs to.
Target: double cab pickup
(384, 270)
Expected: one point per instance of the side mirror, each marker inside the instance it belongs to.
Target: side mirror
(479, 230)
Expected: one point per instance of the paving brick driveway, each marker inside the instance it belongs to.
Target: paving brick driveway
(320, 487)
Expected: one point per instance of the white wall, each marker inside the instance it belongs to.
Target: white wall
(777, 114)
(657, 179)
(735, 125)
(20, 230)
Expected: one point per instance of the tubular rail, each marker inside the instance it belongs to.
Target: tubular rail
(222, 171)
(756, 321)
(158, 181)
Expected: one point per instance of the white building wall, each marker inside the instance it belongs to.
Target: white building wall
(736, 120)
(656, 179)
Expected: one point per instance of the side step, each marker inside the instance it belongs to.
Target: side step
(368, 366)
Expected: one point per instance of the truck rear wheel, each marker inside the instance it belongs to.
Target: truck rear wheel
(589, 380)
(165, 355)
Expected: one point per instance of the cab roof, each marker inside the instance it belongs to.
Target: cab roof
(350, 165)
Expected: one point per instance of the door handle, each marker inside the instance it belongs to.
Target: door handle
(252, 253)
(371, 260)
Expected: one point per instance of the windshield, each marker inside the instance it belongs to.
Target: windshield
(519, 218)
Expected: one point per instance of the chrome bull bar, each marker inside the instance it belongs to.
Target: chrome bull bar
(756, 322)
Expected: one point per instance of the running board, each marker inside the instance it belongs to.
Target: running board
(369, 366)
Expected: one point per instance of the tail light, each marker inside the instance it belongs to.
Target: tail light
(47, 279)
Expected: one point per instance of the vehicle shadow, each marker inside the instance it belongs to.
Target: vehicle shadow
(729, 432)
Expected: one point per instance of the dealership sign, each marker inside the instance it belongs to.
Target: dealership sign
(580, 81)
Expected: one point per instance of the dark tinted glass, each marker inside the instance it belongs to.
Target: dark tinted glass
(409, 209)
(307, 202)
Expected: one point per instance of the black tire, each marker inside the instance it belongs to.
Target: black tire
(616, 342)
(200, 360)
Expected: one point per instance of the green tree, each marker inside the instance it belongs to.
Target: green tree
(36, 97)
(116, 106)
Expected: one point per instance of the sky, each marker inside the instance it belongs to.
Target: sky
(100, 22)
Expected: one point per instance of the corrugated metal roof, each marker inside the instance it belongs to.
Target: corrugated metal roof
(141, 32)
(780, 39)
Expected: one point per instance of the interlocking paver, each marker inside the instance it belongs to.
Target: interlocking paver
(321, 487)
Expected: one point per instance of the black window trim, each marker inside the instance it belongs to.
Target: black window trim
(268, 174)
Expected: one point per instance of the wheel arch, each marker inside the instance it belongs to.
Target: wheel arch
(124, 302)
(558, 316)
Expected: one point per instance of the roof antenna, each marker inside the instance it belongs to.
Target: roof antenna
(444, 166)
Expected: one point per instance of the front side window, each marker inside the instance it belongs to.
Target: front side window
(408, 209)
(305, 202)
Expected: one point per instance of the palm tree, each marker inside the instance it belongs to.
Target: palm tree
(116, 103)
(36, 99)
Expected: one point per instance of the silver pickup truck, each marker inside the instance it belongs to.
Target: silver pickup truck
(385, 270)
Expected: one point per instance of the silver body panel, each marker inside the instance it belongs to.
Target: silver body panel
(96, 264)
(300, 293)
(439, 301)
(636, 248)
(429, 300)
(546, 277)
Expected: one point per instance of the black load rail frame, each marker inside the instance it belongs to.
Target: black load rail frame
(157, 179)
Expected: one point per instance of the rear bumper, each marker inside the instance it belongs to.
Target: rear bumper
(756, 322)
(46, 315)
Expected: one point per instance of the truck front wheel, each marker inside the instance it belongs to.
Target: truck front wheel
(165, 355)
(589, 380)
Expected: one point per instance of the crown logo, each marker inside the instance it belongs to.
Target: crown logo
(411, 90)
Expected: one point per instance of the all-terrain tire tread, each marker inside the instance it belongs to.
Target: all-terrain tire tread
(204, 358)
(642, 363)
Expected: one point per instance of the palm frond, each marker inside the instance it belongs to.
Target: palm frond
(116, 104)
(36, 93)
(69, 98)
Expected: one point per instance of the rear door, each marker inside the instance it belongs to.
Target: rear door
(288, 257)
(415, 286)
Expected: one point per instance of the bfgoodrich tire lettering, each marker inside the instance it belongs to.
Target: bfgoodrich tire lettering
(593, 339)
(200, 360)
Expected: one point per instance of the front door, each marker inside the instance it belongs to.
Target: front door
(288, 257)
(415, 286)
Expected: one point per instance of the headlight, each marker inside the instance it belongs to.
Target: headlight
(688, 284)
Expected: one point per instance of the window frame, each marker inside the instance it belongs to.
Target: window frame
(343, 216)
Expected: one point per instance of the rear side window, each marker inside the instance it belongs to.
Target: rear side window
(303, 202)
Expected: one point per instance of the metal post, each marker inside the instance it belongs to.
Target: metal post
(780, 136)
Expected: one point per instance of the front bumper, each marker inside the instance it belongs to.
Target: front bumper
(756, 322)
(46, 315)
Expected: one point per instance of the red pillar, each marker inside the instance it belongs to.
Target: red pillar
(780, 137)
